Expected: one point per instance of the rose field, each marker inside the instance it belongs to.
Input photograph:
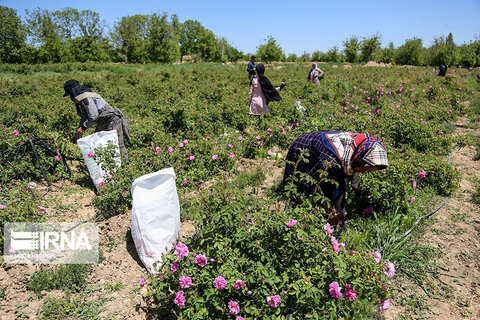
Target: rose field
(251, 253)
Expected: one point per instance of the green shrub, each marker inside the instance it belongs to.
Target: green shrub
(69, 277)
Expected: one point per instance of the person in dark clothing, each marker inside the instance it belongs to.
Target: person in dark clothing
(93, 109)
(443, 69)
(251, 68)
(269, 91)
(341, 155)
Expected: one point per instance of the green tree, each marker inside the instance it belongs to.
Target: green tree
(351, 48)
(270, 51)
(66, 22)
(196, 39)
(292, 57)
(387, 55)
(12, 36)
(304, 57)
(368, 47)
(130, 38)
(468, 54)
(82, 31)
(228, 52)
(411, 53)
(46, 35)
(333, 55)
(163, 43)
(317, 55)
(452, 57)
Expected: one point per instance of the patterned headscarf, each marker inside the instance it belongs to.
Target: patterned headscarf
(356, 149)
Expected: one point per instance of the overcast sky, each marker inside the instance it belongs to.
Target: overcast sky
(298, 26)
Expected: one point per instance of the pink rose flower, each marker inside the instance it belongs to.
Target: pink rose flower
(180, 299)
(239, 284)
(291, 223)
(220, 283)
(2, 206)
(142, 282)
(230, 145)
(422, 174)
(412, 200)
(377, 256)
(258, 137)
(214, 157)
(335, 290)
(273, 301)
(170, 149)
(185, 141)
(201, 260)
(57, 157)
(384, 305)
(90, 154)
(181, 145)
(349, 293)
(414, 184)
(101, 184)
(269, 152)
(232, 155)
(16, 133)
(174, 267)
(181, 250)
(185, 282)
(239, 169)
(328, 229)
(335, 245)
(157, 150)
(233, 307)
(389, 270)
(191, 158)
(240, 138)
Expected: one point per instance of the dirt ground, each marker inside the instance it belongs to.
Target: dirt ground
(455, 229)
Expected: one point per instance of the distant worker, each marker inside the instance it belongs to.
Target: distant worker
(251, 68)
(93, 109)
(443, 69)
(262, 92)
(315, 74)
(342, 155)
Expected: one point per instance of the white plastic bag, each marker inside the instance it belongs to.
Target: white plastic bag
(87, 147)
(155, 216)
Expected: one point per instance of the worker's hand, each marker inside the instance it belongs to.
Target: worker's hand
(77, 135)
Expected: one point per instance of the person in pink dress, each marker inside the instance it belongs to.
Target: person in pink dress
(262, 92)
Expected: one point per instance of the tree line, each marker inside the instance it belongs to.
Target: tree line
(362, 50)
(70, 35)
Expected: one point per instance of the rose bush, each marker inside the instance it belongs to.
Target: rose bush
(271, 258)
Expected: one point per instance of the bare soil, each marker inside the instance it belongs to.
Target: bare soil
(456, 231)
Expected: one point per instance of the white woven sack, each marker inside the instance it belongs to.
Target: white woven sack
(89, 144)
(155, 216)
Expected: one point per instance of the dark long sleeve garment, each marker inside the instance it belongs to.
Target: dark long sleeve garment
(319, 159)
(251, 67)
